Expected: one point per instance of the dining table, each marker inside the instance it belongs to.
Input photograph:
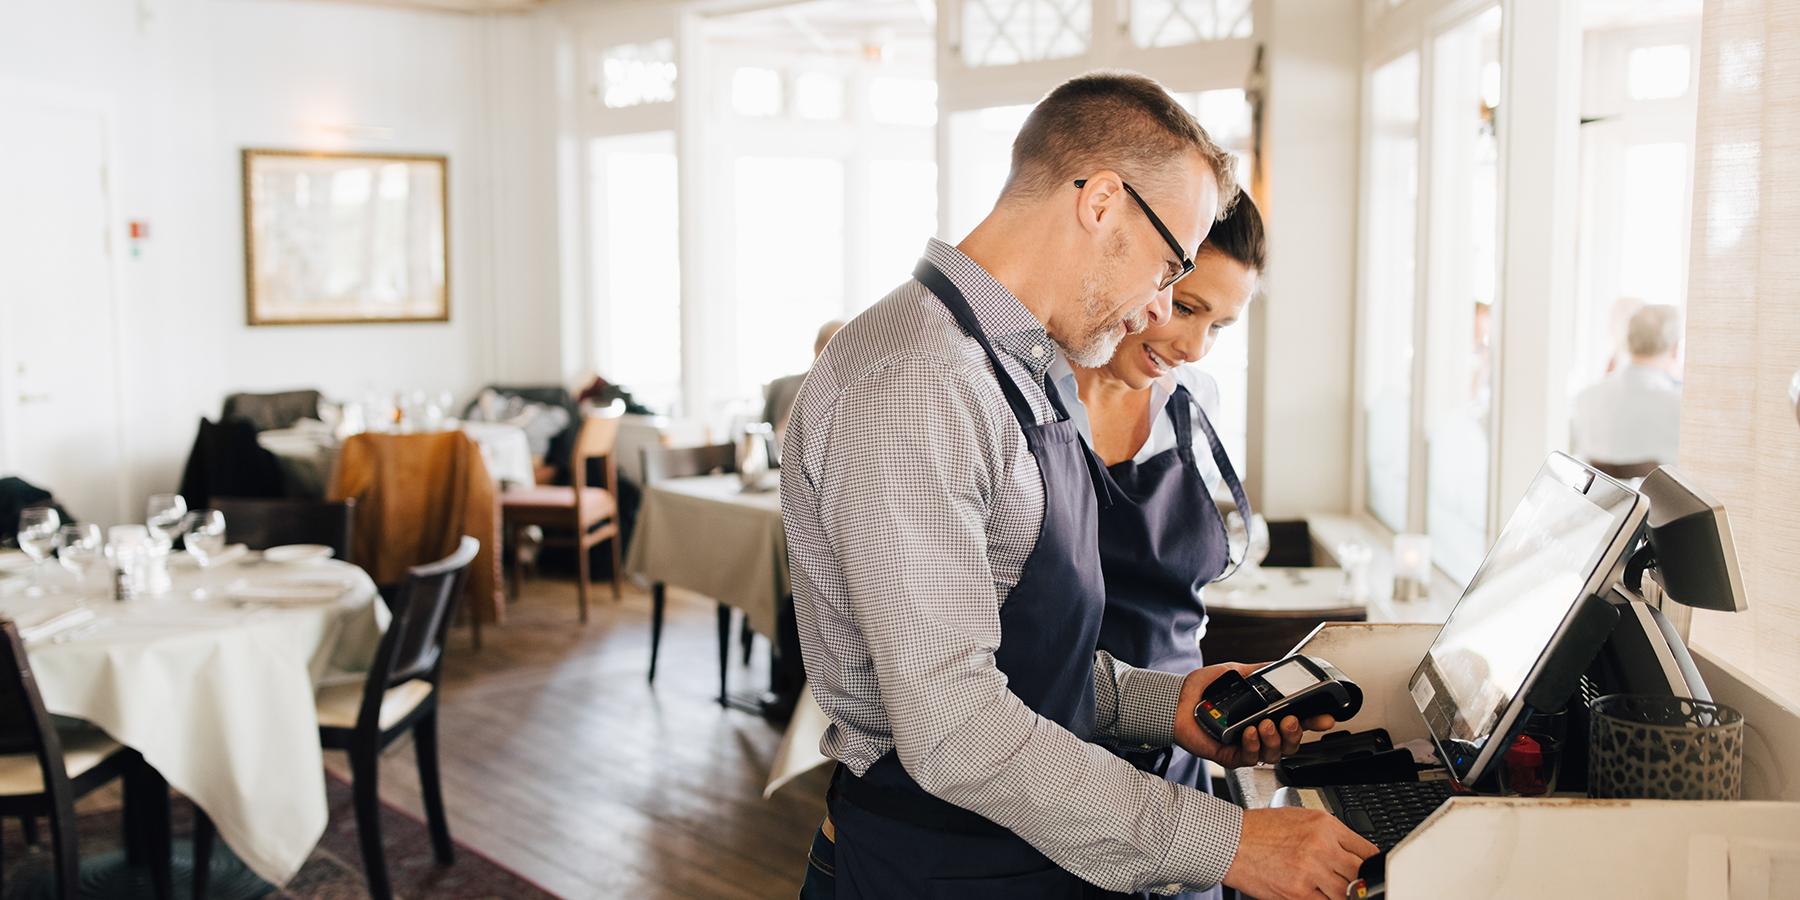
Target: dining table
(212, 681)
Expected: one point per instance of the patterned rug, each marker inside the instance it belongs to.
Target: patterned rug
(333, 872)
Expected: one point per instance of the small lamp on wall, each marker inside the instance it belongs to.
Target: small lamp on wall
(1412, 567)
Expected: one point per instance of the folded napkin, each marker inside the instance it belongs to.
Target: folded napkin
(41, 624)
(300, 590)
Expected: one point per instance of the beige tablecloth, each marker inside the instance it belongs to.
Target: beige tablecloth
(218, 697)
(708, 535)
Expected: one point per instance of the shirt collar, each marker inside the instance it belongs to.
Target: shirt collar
(1008, 324)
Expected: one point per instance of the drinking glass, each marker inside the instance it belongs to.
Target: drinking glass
(205, 540)
(163, 514)
(83, 552)
(38, 537)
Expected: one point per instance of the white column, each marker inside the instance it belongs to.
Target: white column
(1539, 162)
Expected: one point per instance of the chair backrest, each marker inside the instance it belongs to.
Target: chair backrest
(261, 524)
(683, 462)
(1626, 471)
(271, 411)
(228, 462)
(598, 436)
(25, 725)
(414, 644)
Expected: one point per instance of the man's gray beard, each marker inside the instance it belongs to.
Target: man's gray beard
(1093, 349)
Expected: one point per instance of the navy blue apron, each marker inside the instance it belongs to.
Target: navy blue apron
(894, 840)
(1162, 540)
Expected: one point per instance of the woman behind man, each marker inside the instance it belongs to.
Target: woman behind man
(1145, 414)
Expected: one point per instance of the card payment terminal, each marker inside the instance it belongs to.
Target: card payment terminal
(1300, 686)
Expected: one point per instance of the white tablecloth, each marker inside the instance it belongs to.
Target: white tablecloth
(308, 451)
(708, 535)
(218, 697)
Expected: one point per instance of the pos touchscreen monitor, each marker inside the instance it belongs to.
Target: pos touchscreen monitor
(1562, 544)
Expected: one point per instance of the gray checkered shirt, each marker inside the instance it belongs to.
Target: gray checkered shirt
(911, 503)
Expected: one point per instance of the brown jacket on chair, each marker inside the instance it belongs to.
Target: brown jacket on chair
(416, 496)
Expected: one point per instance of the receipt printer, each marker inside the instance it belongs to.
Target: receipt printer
(1299, 686)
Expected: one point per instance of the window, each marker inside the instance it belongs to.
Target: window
(1658, 73)
(635, 74)
(756, 92)
(1003, 32)
(1389, 259)
(1167, 23)
(789, 266)
(636, 266)
(1462, 286)
(902, 214)
(903, 101)
(980, 155)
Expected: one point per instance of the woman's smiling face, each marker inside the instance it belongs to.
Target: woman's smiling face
(1211, 299)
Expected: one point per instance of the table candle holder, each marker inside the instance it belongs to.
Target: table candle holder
(1412, 567)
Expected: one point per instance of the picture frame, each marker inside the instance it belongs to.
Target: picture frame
(334, 238)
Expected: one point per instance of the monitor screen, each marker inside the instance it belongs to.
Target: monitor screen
(1563, 538)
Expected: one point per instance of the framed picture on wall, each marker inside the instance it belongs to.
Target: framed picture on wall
(336, 238)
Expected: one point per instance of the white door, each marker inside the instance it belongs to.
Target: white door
(59, 411)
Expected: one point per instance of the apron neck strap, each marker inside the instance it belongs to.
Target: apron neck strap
(1226, 471)
(952, 297)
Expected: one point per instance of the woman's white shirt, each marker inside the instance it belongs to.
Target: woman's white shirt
(1200, 385)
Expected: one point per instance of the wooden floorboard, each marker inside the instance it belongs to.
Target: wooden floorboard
(561, 763)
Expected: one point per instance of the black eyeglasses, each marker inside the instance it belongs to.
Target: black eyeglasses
(1177, 268)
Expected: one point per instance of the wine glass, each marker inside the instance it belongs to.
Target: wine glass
(163, 513)
(204, 537)
(38, 538)
(83, 552)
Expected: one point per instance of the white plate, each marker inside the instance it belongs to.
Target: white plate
(182, 559)
(296, 553)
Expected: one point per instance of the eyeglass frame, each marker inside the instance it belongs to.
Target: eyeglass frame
(1187, 262)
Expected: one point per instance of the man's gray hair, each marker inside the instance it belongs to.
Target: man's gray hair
(1654, 331)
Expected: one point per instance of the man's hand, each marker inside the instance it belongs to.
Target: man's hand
(1264, 743)
(1295, 854)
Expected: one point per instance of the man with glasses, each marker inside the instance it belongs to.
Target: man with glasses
(940, 514)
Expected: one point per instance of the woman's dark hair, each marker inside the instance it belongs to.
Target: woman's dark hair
(1240, 235)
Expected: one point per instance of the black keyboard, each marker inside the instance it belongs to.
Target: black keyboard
(1385, 813)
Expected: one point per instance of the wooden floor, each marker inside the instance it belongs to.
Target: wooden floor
(561, 763)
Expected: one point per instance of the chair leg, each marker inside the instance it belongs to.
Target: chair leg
(67, 852)
(28, 824)
(658, 597)
(618, 570)
(746, 637)
(204, 835)
(425, 747)
(581, 578)
(364, 785)
(724, 649)
(148, 794)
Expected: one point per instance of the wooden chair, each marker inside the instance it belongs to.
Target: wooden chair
(261, 524)
(686, 462)
(44, 771)
(399, 695)
(589, 512)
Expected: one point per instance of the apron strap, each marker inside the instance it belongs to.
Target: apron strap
(953, 300)
(1225, 470)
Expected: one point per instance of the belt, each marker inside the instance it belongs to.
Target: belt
(917, 809)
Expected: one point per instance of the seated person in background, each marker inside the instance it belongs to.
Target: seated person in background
(1633, 416)
(778, 396)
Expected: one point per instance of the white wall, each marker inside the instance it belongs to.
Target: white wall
(1302, 331)
(191, 82)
